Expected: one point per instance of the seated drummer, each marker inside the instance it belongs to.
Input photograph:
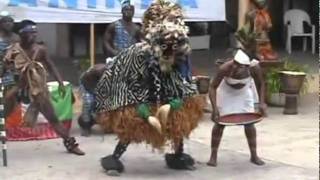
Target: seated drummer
(233, 91)
(88, 82)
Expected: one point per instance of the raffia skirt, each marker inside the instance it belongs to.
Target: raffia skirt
(129, 127)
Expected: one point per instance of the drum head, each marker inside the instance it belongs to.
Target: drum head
(240, 119)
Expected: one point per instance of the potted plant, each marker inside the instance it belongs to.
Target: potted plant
(274, 95)
(275, 88)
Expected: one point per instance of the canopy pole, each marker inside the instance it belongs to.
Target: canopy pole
(3, 126)
(92, 45)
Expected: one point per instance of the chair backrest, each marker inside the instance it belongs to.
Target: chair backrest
(296, 17)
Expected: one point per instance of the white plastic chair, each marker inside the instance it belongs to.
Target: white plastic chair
(294, 19)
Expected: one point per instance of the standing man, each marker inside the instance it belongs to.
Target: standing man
(7, 37)
(6, 27)
(122, 33)
(29, 62)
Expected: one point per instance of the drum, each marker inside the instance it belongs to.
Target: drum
(291, 83)
(239, 119)
(203, 83)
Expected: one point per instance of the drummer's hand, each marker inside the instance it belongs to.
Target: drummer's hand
(215, 114)
(62, 89)
(263, 109)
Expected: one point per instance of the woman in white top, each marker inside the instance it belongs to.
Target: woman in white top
(232, 91)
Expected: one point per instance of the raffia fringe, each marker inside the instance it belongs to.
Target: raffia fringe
(129, 127)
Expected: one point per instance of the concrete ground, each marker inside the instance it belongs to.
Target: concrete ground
(288, 143)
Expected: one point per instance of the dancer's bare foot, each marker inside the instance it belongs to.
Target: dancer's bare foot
(257, 161)
(212, 162)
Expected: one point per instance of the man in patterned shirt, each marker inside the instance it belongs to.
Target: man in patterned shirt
(122, 33)
(7, 37)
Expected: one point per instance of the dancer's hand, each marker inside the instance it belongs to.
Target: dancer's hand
(62, 89)
(263, 109)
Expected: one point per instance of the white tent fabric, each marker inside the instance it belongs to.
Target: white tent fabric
(102, 11)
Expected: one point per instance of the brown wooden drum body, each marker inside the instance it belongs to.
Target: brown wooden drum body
(291, 81)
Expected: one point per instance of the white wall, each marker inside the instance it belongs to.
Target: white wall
(296, 4)
(80, 45)
(56, 38)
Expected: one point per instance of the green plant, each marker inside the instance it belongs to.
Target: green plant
(273, 81)
(290, 66)
(84, 64)
(273, 77)
(247, 37)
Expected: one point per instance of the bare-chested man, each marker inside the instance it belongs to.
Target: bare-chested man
(29, 62)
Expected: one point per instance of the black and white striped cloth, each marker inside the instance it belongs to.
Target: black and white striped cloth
(135, 78)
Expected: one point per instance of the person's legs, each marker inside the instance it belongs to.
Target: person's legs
(179, 159)
(86, 120)
(46, 108)
(111, 163)
(178, 148)
(216, 135)
(120, 149)
(10, 100)
(251, 135)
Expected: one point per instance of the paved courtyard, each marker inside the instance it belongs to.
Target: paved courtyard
(288, 144)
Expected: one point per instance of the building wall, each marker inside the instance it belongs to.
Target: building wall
(48, 34)
(80, 39)
(277, 31)
(69, 40)
(56, 38)
(63, 40)
(220, 31)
